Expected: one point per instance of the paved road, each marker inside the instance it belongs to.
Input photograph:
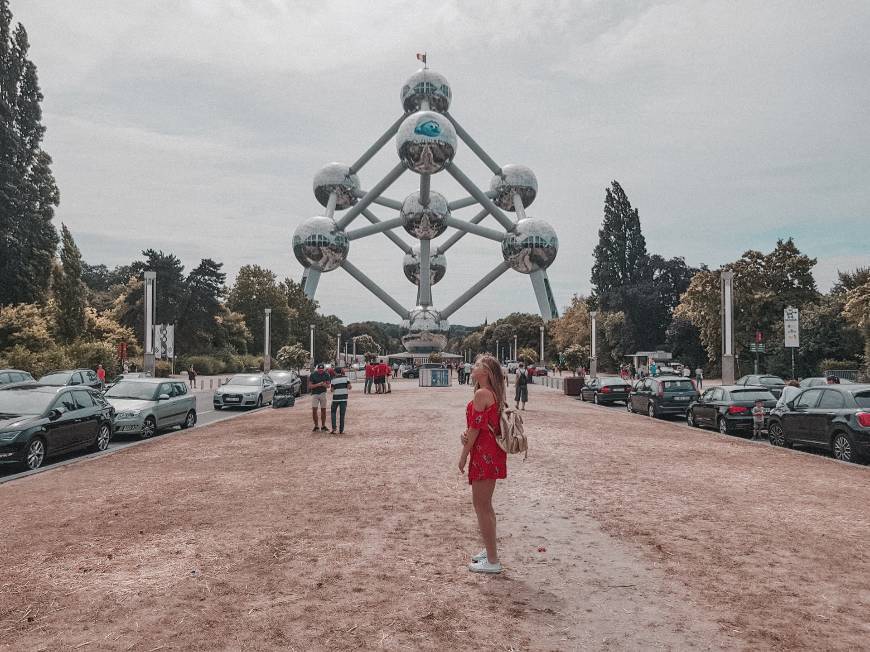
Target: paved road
(205, 413)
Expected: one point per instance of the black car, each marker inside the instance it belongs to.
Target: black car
(729, 408)
(834, 417)
(39, 421)
(8, 376)
(822, 380)
(773, 383)
(72, 377)
(605, 389)
(287, 383)
(662, 396)
(411, 372)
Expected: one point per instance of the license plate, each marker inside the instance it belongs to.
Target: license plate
(231, 400)
(682, 398)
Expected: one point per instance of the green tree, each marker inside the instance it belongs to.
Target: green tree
(68, 290)
(204, 288)
(28, 193)
(293, 356)
(527, 356)
(170, 291)
(24, 325)
(255, 290)
(620, 254)
(857, 313)
(574, 327)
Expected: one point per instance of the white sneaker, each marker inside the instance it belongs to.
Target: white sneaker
(481, 556)
(485, 567)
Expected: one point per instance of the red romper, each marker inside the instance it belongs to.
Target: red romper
(488, 460)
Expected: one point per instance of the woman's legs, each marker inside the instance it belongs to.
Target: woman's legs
(481, 495)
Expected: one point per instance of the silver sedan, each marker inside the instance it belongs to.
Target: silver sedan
(250, 390)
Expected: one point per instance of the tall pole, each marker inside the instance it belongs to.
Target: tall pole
(338, 349)
(150, 281)
(728, 369)
(514, 356)
(267, 344)
(311, 327)
(496, 350)
(542, 346)
(593, 363)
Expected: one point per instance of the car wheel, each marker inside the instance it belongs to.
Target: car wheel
(628, 407)
(103, 437)
(218, 408)
(723, 426)
(843, 448)
(776, 435)
(189, 420)
(259, 400)
(595, 398)
(651, 410)
(35, 454)
(690, 419)
(582, 396)
(149, 428)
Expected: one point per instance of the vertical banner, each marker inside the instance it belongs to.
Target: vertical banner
(164, 341)
(791, 324)
(170, 340)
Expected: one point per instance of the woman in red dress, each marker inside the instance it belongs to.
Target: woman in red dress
(488, 461)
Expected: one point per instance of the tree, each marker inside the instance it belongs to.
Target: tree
(857, 313)
(683, 340)
(621, 250)
(574, 327)
(255, 290)
(170, 291)
(204, 288)
(293, 356)
(575, 356)
(28, 193)
(24, 325)
(527, 356)
(68, 290)
(365, 344)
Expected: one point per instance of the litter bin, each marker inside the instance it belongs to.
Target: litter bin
(571, 385)
(303, 388)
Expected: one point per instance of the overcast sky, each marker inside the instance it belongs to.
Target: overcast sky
(196, 126)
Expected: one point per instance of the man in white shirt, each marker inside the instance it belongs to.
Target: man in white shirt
(791, 389)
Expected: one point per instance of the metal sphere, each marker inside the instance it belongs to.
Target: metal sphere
(318, 243)
(425, 222)
(426, 142)
(428, 85)
(411, 266)
(427, 331)
(337, 178)
(514, 179)
(531, 246)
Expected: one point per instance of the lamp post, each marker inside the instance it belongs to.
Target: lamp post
(514, 356)
(311, 327)
(338, 349)
(148, 358)
(727, 287)
(593, 363)
(542, 344)
(267, 358)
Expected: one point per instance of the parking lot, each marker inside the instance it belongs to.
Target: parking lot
(619, 532)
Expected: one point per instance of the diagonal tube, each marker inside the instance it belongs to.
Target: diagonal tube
(473, 146)
(424, 296)
(312, 277)
(518, 206)
(539, 285)
(380, 227)
(370, 196)
(456, 237)
(479, 195)
(380, 142)
(373, 287)
(401, 244)
(475, 289)
(425, 182)
(468, 227)
(467, 201)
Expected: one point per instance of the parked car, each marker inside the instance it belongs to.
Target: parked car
(822, 380)
(729, 408)
(130, 375)
(145, 405)
(662, 396)
(512, 366)
(286, 382)
(72, 377)
(253, 390)
(8, 376)
(773, 383)
(40, 421)
(835, 417)
(665, 370)
(605, 389)
(411, 372)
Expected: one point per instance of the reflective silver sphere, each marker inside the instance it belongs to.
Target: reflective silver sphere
(318, 243)
(425, 222)
(411, 266)
(336, 177)
(514, 178)
(531, 246)
(426, 85)
(427, 331)
(426, 142)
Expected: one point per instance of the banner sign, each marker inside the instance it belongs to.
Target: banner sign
(791, 324)
(164, 341)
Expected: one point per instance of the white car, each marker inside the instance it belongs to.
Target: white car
(512, 366)
(251, 390)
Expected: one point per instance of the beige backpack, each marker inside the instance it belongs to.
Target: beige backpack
(511, 439)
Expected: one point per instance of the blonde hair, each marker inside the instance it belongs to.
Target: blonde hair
(496, 377)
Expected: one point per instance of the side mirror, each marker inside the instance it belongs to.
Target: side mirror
(54, 415)
(163, 397)
(790, 405)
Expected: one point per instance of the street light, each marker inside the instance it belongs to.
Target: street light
(312, 345)
(514, 356)
(148, 358)
(267, 359)
(593, 363)
(542, 345)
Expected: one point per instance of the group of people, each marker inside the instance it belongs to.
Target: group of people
(377, 375)
(463, 373)
(319, 381)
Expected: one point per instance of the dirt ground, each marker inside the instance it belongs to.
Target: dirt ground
(619, 532)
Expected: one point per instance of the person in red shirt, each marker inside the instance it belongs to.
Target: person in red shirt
(370, 376)
(387, 373)
(101, 374)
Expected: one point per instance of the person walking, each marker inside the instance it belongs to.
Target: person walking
(370, 377)
(101, 375)
(340, 387)
(191, 377)
(522, 386)
(466, 368)
(460, 374)
(318, 381)
(699, 377)
(488, 462)
(395, 370)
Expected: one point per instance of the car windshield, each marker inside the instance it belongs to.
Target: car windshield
(244, 380)
(862, 399)
(25, 401)
(55, 379)
(772, 380)
(675, 385)
(281, 374)
(752, 395)
(132, 389)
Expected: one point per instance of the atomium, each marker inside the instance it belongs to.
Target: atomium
(319, 244)
(426, 142)
(425, 222)
(336, 178)
(531, 247)
(425, 85)
(426, 330)
(514, 179)
(411, 266)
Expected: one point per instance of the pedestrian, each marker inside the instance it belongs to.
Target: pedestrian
(653, 367)
(831, 379)
(101, 375)
(395, 370)
(632, 371)
(370, 377)
(466, 368)
(318, 381)
(191, 377)
(699, 377)
(522, 386)
(389, 387)
(378, 371)
(757, 419)
(686, 372)
(340, 387)
(488, 462)
(791, 389)
(460, 374)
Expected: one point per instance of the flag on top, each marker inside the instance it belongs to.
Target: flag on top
(421, 56)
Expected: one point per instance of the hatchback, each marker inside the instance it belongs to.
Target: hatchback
(729, 408)
(86, 377)
(8, 376)
(662, 396)
(772, 383)
(146, 405)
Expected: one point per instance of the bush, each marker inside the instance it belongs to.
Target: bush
(162, 368)
(90, 354)
(205, 365)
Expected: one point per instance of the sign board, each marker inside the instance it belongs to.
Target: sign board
(164, 341)
(756, 348)
(791, 323)
(438, 377)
